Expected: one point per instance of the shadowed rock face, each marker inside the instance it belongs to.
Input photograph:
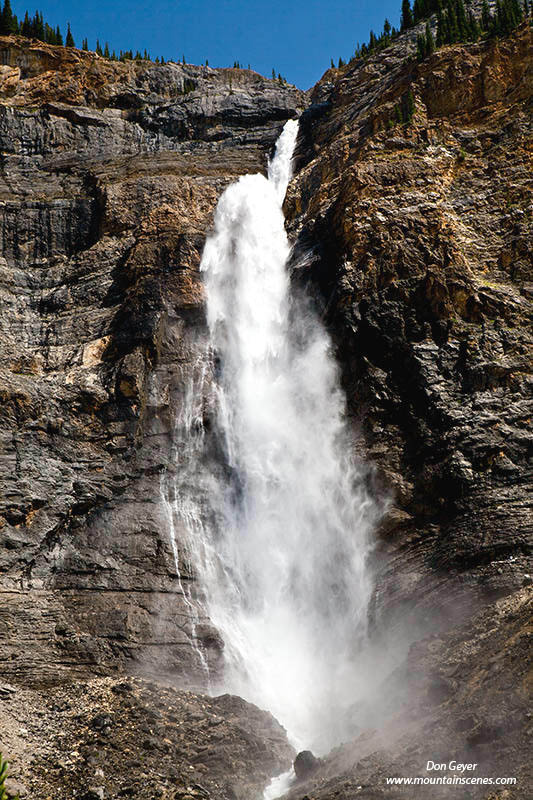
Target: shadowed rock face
(419, 239)
(110, 174)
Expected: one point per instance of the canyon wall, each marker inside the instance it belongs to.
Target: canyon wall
(414, 237)
(419, 239)
(110, 175)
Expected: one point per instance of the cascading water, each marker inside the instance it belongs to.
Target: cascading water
(283, 557)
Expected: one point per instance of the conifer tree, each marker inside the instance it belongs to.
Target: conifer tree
(3, 777)
(38, 26)
(25, 28)
(69, 41)
(8, 21)
(453, 28)
(462, 22)
(98, 48)
(85, 45)
(440, 28)
(59, 37)
(516, 9)
(486, 18)
(49, 34)
(475, 31)
(420, 47)
(430, 41)
(501, 22)
(407, 16)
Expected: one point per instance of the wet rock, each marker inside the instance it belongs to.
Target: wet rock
(305, 764)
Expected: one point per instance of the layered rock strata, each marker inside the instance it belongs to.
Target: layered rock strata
(110, 173)
(419, 239)
(414, 238)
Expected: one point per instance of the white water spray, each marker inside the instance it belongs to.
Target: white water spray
(286, 578)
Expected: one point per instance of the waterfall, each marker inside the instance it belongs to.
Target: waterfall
(268, 507)
(283, 560)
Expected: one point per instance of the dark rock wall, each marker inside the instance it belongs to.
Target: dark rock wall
(419, 239)
(109, 177)
(418, 245)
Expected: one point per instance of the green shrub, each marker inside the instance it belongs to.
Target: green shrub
(3, 778)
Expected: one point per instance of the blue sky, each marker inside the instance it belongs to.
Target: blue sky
(296, 37)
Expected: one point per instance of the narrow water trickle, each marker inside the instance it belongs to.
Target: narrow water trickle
(281, 553)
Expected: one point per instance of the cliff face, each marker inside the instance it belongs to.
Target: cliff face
(419, 238)
(416, 241)
(109, 177)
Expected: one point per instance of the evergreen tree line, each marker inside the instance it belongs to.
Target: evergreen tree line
(454, 24)
(36, 28)
(376, 43)
(124, 55)
(279, 77)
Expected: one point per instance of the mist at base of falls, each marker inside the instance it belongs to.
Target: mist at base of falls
(278, 526)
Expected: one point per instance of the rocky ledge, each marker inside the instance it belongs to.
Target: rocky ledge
(415, 238)
(135, 739)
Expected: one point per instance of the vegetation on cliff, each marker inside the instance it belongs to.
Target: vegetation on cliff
(35, 27)
(3, 777)
(453, 24)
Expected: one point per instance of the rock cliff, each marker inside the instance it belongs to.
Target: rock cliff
(110, 173)
(416, 238)
(419, 239)
(415, 241)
